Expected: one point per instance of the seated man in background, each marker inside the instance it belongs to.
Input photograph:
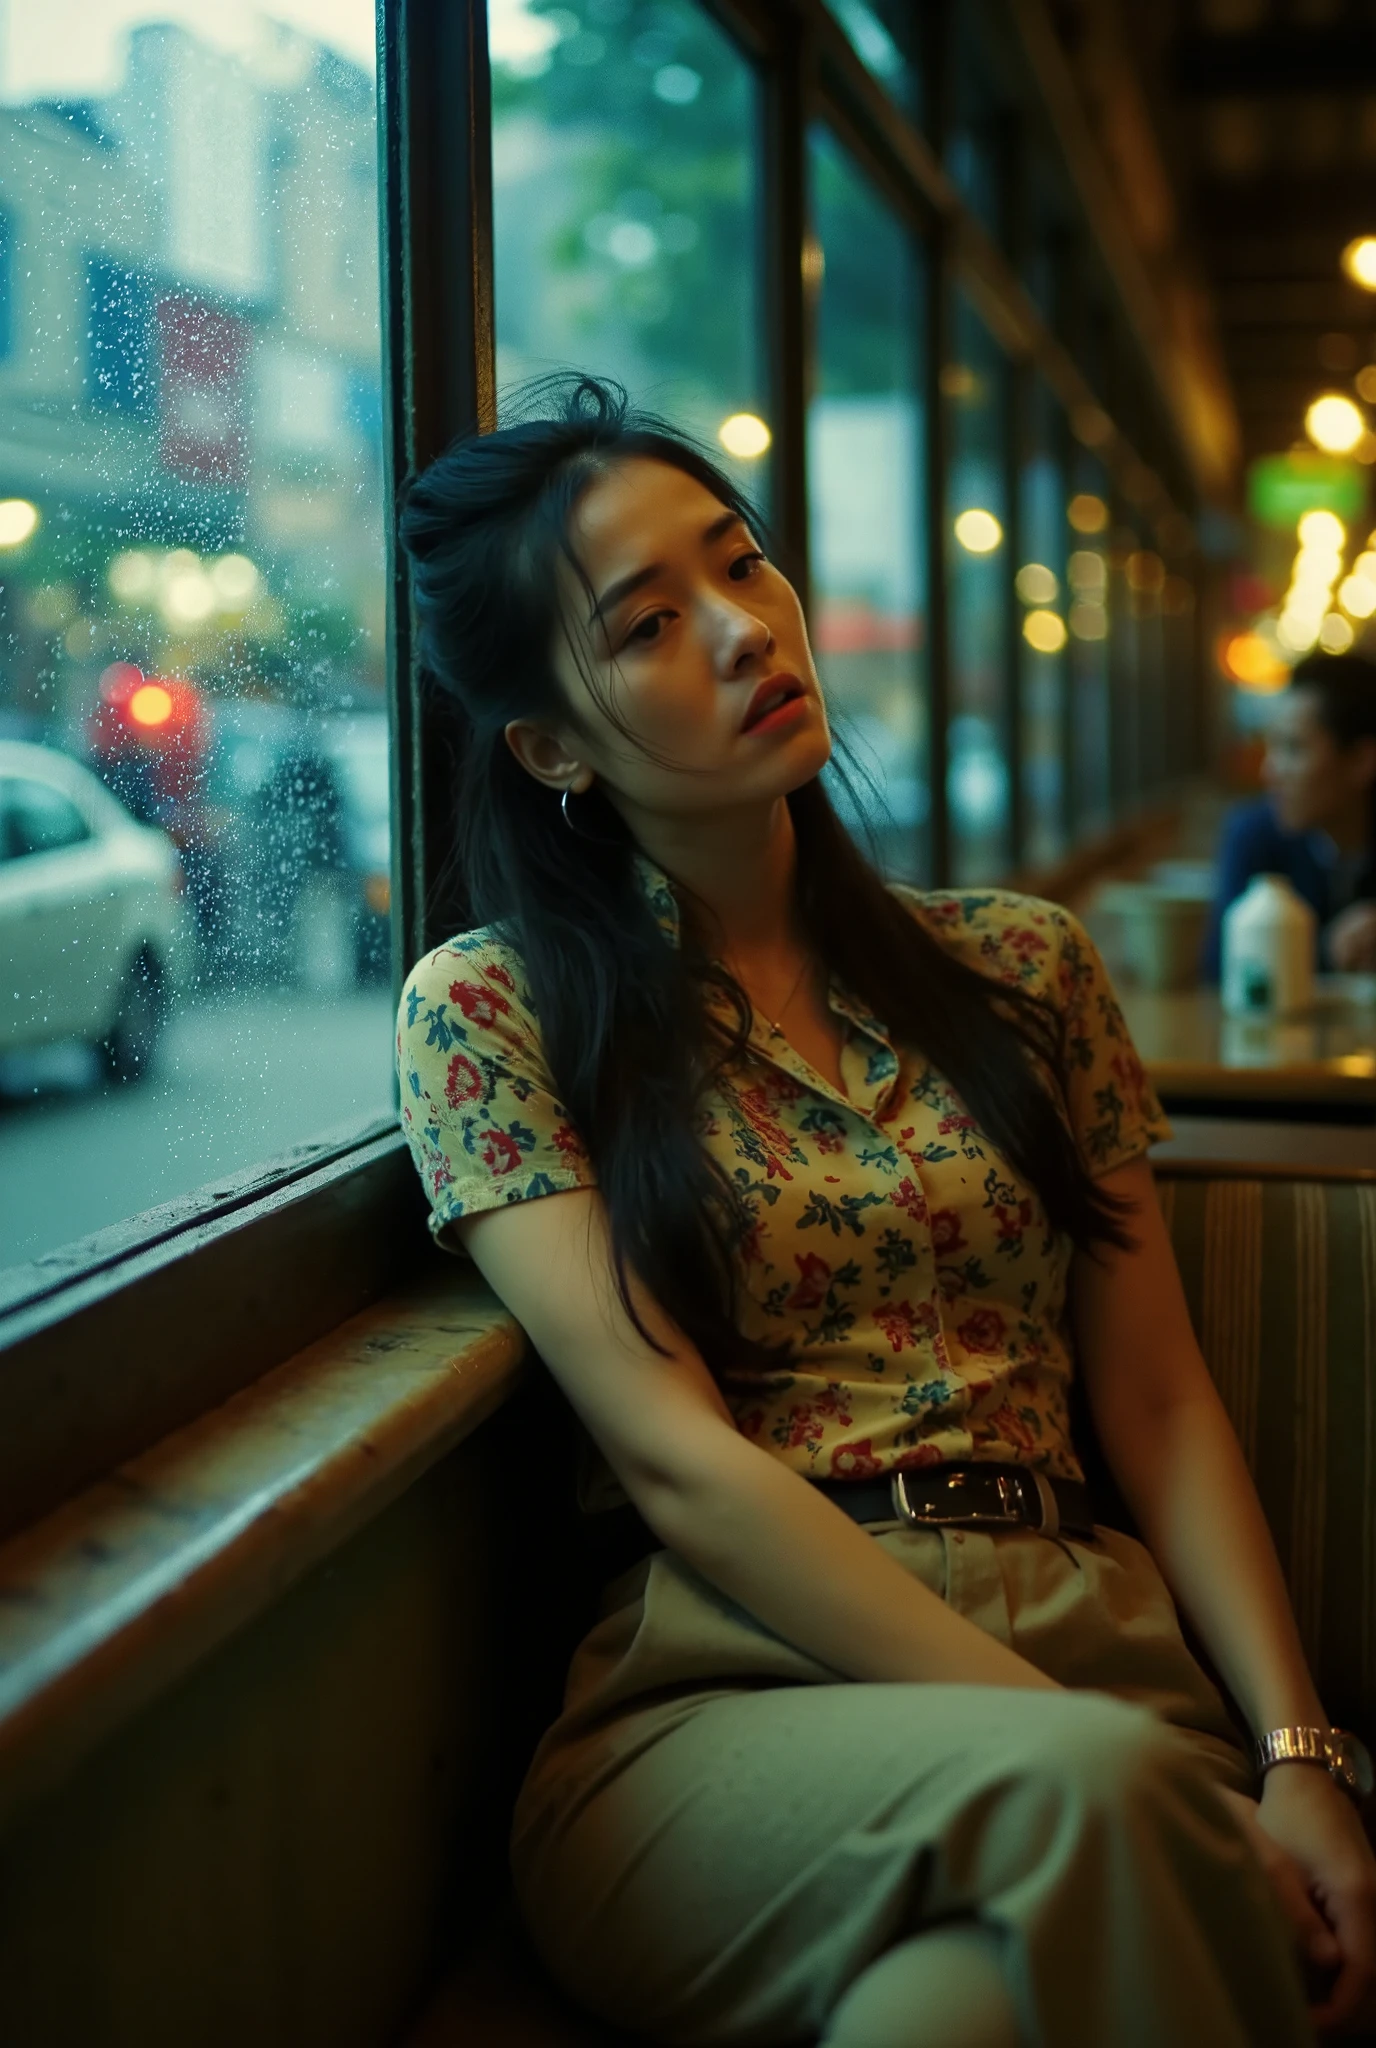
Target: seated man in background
(1317, 823)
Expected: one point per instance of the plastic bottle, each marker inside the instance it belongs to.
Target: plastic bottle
(1268, 950)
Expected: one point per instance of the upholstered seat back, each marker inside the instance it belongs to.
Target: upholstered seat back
(1281, 1281)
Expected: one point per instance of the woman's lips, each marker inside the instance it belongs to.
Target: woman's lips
(775, 695)
(783, 714)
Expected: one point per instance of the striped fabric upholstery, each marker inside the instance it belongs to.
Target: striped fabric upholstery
(1281, 1281)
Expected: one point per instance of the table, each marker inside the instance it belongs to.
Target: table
(1322, 1063)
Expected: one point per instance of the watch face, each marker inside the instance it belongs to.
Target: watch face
(1354, 1762)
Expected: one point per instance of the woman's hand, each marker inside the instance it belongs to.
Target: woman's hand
(1310, 1842)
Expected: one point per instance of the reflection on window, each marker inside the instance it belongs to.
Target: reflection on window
(884, 36)
(194, 838)
(864, 471)
(625, 210)
(1040, 582)
(975, 384)
(1087, 578)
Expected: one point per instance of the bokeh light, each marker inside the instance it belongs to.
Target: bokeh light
(1251, 663)
(1044, 631)
(1334, 424)
(1359, 261)
(1036, 584)
(1087, 513)
(744, 435)
(1336, 634)
(978, 531)
(1320, 529)
(18, 521)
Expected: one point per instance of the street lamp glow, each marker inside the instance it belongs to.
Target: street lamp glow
(978, 531)
(1359, 261)
(744, 435)
(1320, 529)
(1045, 631)
(1334, 424)
(18, 519)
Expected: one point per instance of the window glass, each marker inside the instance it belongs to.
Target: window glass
(1040, 583)
(975, 381)
(624, 202)
(864, 447)
(976, 145)
(38, 819)
(1088, 618)
(884, 36)
(191, 599)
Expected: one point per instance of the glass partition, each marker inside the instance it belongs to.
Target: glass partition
(626, 193)
(1040, 583)
(886, 36)
(864, 445)
(975, 383)
(194, 834)
(1088, 618)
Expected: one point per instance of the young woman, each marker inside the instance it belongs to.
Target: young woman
(813, 1195)
(1317, 823)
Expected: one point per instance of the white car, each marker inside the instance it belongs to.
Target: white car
(92, 926)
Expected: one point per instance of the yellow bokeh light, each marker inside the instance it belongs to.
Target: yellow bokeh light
(133, 575)
(1316, 568)
(1365, 381)
(1357, 596)
(1335, 634)
(1036, 584)
(1320, 529)
(978, 531)
(1045, 631)
(1250, 662)
(1334, 424)
(1086, 513)
(744, 435)
(18, 520)
(1359, 261)
(1296, 631)
(150, 705)
(1146, 572)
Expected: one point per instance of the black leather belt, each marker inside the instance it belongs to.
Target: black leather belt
(993, 1496)
(985, 1496)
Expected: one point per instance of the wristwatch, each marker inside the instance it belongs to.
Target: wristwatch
(1345, 1757)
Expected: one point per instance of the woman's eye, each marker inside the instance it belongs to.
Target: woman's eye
(745, 566)
(647, 629)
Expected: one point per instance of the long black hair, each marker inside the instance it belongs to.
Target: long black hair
(623, 1015)
(1344, 691)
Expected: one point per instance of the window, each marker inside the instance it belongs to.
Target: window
(625, 200)
(193, 602)
(864, 447)
(1040, 583)
(1088, 617)
(975, 382)
(885, 36)
(6, 284)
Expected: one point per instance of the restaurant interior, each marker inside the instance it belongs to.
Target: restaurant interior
(1042, 333)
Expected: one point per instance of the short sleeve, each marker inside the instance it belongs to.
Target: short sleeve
(1110, 1103)
(478, 1106)
(1113, 1108)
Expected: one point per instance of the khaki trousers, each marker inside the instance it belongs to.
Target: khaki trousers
(719, 1842)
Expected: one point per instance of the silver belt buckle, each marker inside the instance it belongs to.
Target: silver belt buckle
(1010, 1501)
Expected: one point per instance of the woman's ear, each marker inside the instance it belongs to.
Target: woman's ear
(547, 756)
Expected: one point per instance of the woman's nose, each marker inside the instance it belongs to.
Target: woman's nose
(741, 637)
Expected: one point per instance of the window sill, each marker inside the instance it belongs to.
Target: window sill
(118, 1593)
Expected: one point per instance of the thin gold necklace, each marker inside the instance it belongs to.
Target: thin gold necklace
(775, 1027)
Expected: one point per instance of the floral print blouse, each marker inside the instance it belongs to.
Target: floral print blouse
(915, 1278)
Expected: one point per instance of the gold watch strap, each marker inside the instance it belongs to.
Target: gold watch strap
(1295, 1745)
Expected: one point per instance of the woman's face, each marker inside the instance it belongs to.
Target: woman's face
(1312, 780)
(693, 687)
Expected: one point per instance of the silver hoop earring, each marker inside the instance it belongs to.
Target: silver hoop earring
(564, 810)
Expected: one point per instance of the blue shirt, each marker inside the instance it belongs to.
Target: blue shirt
(1255, 843)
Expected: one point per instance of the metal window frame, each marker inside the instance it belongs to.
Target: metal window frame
(277, 1254)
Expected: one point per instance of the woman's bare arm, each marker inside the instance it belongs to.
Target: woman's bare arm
(746, 1522)
(1174, 1453)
